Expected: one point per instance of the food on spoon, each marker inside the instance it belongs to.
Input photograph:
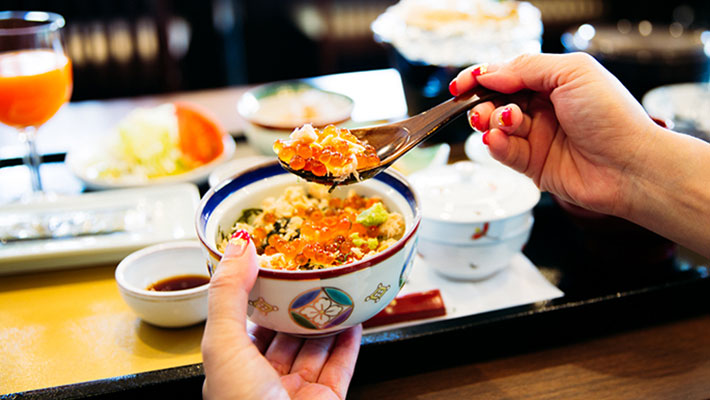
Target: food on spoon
(333, 151)
(305, 228)
(169, 139)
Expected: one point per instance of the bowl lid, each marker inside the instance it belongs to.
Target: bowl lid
(467, 192)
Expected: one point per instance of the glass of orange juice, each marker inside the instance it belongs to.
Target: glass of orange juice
(35, 77)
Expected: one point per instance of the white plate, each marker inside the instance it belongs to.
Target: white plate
(234, 167)
(518, 284)
(145, 216)
(79, 160)
(420, 158)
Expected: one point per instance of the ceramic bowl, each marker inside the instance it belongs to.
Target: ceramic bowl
(169, 309)
(321, 302)
(476, 217)
(478, 152)
(682, 107)
(274, 110)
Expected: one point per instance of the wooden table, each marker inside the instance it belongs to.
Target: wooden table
(669, 360)
(646, 340)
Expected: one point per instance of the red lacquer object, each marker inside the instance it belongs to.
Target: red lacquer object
(409, 307)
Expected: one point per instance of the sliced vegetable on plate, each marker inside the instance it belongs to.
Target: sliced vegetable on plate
(199, 133)
(172, 142)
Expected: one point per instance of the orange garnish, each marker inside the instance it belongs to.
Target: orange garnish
(200, 133)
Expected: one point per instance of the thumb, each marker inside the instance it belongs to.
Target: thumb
(231, 283)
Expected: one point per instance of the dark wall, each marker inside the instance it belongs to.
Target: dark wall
(234, 42)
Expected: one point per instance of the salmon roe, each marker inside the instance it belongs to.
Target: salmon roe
(326, 238)
(334, 151)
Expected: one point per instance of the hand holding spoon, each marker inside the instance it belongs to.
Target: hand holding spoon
(391, 141)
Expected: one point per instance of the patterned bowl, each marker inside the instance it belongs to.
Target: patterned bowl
(320, 302)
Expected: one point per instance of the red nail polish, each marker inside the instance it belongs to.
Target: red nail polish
(452, 88)
(237, 243)
(480, 70)
(241, 234)
(475, 121)
(484, 138)
(506, 117)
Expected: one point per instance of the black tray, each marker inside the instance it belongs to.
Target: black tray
(608, 285)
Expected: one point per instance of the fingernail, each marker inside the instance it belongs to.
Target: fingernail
(506, 117)
(452, 88)
(237, 244)
(475, 120)
(480, 70)
(484, 138)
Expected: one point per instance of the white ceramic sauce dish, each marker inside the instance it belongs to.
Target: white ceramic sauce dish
(317, 302)
(475, 217)
(145, 267)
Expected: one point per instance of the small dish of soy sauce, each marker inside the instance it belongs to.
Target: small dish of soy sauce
(166, 284)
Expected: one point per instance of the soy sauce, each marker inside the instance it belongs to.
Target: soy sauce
(181, 282)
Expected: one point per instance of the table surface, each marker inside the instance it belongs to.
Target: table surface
(670, 360)
(650, 345)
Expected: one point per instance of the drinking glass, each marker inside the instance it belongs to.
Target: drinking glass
(35, 77)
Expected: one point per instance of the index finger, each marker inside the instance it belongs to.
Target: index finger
(467, 78)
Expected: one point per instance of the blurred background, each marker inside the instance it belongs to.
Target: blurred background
(128, 48)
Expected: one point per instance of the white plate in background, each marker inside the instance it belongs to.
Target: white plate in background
(137, 217)
(80, 160)
(234, 167)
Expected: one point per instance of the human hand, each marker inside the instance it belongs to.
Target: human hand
(571, 126)
(263, 364)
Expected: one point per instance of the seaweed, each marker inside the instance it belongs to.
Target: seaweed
(279, 228)
(249, 214)
(307, 266)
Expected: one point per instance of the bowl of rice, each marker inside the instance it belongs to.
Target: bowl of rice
(327, 260)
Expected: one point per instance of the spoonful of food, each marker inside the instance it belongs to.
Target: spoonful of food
(338, 156)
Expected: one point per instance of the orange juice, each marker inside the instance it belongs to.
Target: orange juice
(33, 86)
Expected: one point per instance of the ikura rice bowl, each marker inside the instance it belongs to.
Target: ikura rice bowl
(306, 228)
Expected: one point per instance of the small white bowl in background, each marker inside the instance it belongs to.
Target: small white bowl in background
(274, 110)
(683, 107)
(475, 217)
(145, 267)
(477, 151)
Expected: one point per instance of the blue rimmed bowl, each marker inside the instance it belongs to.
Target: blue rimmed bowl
(320, 302)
